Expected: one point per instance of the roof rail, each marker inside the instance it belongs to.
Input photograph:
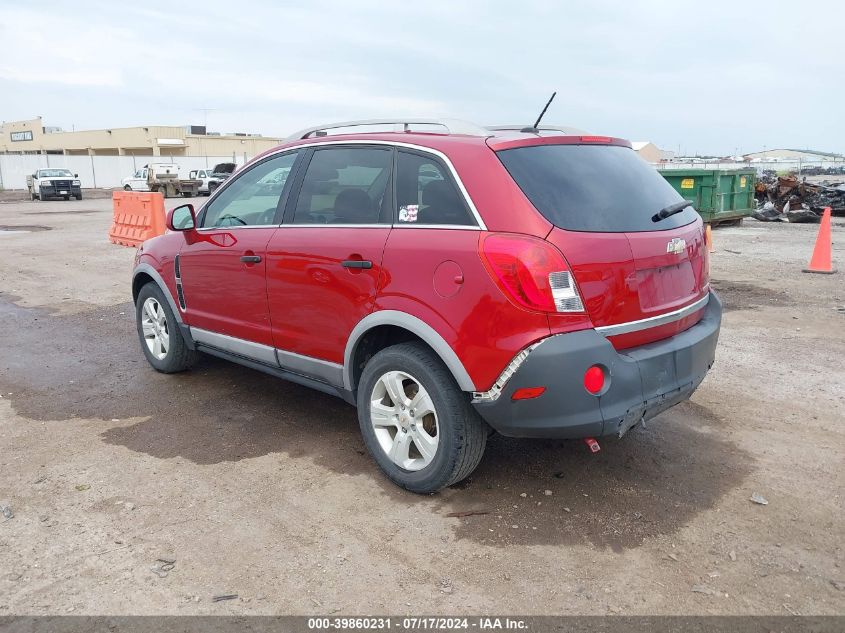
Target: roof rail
(542, 128)
(453, 126)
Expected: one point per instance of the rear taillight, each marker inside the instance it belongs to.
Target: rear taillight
(531, 272)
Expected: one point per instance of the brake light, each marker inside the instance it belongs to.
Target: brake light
(596, 139)
(531, 272)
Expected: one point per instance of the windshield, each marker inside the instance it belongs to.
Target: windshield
(54, 173)
(600, 188)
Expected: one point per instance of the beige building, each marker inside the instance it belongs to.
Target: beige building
(648, 151)
(32, 137)
(794, 155)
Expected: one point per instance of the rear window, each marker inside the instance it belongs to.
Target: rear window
(601, 188)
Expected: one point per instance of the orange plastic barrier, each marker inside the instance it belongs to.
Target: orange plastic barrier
(821, 261)
(137, 217)
(708, 238)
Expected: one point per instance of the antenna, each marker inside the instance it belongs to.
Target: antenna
(534, 128)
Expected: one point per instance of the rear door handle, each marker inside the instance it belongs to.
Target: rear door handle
(356, 263)
(251, 259)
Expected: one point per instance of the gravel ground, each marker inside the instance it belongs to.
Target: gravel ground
(133, 492)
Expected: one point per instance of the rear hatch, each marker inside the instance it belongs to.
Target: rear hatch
(602, 199)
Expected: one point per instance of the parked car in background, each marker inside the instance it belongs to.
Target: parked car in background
(223, 170)
(209, 180)
(54, 183)
(137, 181)
(534, 282)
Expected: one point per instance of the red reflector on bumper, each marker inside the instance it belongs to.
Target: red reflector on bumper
(526, 393)
(594, 379)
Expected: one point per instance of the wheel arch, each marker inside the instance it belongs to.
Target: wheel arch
(394, 326)
(142, 275)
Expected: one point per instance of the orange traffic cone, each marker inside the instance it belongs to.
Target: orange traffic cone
(708, 238)
(821, 261)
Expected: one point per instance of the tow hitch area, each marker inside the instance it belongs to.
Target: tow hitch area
(592, 444)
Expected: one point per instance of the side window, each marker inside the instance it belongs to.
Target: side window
(138, 173)
(426, 193)
(345, 186)
(144, 174)
(252, 196)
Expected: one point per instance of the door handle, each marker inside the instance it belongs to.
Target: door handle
(356, 263)
(251, 259)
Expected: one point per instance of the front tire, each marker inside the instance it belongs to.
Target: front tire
(416, 422)
(158, 330)
(127, 188)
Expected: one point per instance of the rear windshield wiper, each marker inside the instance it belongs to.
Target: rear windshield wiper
(672, 209)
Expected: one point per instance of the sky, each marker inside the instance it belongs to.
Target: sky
(715, 77)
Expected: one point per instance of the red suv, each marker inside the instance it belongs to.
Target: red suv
(447, 280)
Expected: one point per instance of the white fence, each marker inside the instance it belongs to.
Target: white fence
(104, 172)
(796, 166)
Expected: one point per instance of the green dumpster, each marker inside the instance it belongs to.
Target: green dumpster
(719, 195)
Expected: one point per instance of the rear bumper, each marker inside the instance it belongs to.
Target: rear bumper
(643, 382)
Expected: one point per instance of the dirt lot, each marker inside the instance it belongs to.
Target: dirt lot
(261, 488)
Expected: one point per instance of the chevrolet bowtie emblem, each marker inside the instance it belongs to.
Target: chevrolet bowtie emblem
(676, 245)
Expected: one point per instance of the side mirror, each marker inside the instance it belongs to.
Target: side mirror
(76, 175)
(182, 218)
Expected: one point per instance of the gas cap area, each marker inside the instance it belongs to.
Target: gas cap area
(448, 279)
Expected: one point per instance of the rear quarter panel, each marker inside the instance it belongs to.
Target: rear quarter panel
(483, 328)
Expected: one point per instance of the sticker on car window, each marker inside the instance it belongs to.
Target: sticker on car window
(408, 213)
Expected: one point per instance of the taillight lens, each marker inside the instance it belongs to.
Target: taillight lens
(532, 272)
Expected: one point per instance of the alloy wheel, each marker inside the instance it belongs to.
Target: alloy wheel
(155, 328)
(404, 420)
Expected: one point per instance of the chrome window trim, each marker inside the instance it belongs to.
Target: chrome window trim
(208, 229)
(459, 227)
(419, 148)
(655, 321)
(338, 226)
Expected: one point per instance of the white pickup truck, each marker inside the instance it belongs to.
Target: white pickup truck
(54, 183)
(161, 177)
(210, 181)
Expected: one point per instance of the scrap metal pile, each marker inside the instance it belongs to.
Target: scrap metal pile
(785, 198)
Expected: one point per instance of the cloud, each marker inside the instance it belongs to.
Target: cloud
(647, 70)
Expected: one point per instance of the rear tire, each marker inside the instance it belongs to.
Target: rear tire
(424, 449)
(66, 197)
(78, 197)
(159, 332)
